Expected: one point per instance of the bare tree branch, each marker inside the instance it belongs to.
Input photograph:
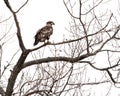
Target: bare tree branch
(51, 59)
(2, 92)
(17, 25)
(110, 75)
(22, 6)
(5, 19)
(69, 10)
(40, 92)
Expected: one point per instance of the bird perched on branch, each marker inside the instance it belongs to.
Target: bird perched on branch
(44, 33)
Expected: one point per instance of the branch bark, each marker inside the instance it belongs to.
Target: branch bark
(51, 59)
(2, 92)
(15, 73)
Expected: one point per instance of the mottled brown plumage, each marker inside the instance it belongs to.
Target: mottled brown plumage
(44, 33)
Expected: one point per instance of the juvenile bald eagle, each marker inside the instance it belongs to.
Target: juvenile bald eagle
(44, 33)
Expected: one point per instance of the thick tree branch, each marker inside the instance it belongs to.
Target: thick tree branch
(14, 73)
(8, 5)
(21, 44)
(51, 59)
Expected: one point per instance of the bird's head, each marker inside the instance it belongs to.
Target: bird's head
(50, 23)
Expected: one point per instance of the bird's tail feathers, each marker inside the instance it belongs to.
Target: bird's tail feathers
(36, 42)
